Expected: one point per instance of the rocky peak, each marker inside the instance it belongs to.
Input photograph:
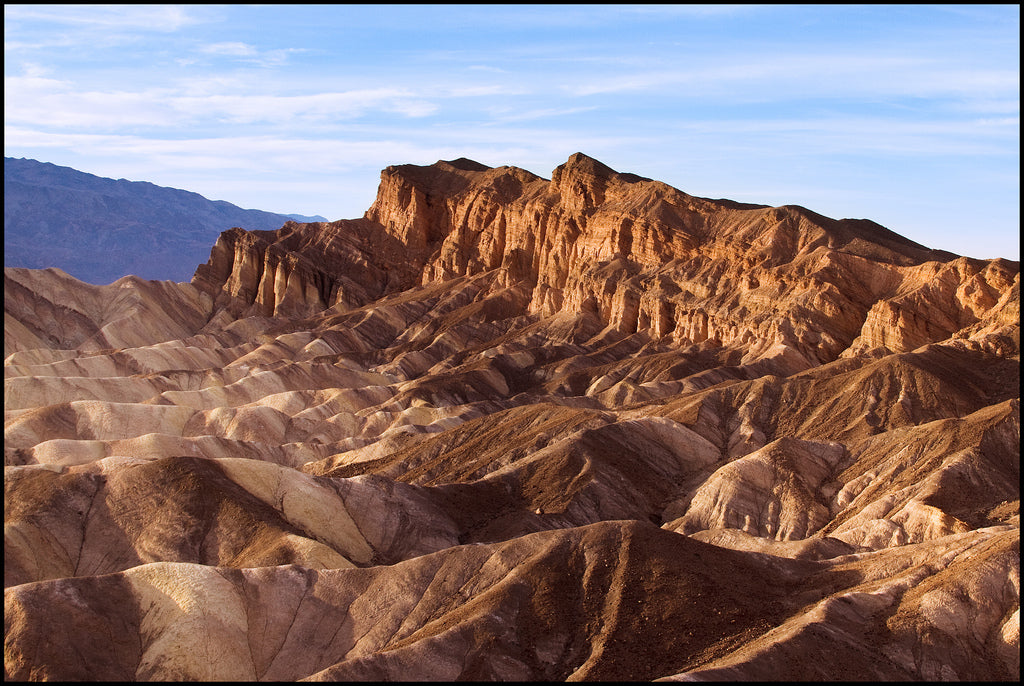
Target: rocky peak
(464, 164)
(582, 182)
(638, 254)
(582, 166)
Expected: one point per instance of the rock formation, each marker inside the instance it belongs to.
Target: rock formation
(504, 427)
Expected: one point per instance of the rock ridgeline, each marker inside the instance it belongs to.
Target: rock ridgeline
(638, 254)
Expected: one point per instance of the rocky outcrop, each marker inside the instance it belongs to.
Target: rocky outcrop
(636, 253)
(253, 273)
(938, 301)
(504, 427)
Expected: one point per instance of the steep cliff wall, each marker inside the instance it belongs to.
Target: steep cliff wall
(640, 255)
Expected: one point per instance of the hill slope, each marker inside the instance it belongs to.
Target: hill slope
(99, 230)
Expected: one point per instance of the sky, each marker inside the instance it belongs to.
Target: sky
(908, 115)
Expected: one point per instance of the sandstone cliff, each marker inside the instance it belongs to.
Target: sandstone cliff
(778, 282)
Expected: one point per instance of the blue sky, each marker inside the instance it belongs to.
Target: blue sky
(906, 115)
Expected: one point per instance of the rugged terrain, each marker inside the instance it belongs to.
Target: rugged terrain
(506, 427)
(100, 229)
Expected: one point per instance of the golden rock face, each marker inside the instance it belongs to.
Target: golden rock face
(640, 255)
(505, 427)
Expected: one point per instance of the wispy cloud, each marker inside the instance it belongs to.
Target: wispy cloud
(247, 53)
(36, 71)
(160, 18)
(481, 91)
(574, 17)
(233, 49)
(866, 136)
(684, 10)
(41, 101)
(53, 30)
(812, 74)
(505, 115)
(331, 106)
(44, 102)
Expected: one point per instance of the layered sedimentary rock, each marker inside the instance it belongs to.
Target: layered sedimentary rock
(505, 427)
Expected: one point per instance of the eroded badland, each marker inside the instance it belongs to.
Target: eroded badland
(505, 427)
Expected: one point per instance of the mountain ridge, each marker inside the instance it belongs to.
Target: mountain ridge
(100, 229)
(631, 257)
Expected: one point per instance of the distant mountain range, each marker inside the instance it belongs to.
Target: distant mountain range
(100, 229)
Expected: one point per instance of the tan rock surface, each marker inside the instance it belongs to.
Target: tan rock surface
(505, 427)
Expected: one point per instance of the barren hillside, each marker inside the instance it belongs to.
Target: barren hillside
(513, 428)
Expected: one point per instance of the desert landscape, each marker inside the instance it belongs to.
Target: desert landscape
(507, 427)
